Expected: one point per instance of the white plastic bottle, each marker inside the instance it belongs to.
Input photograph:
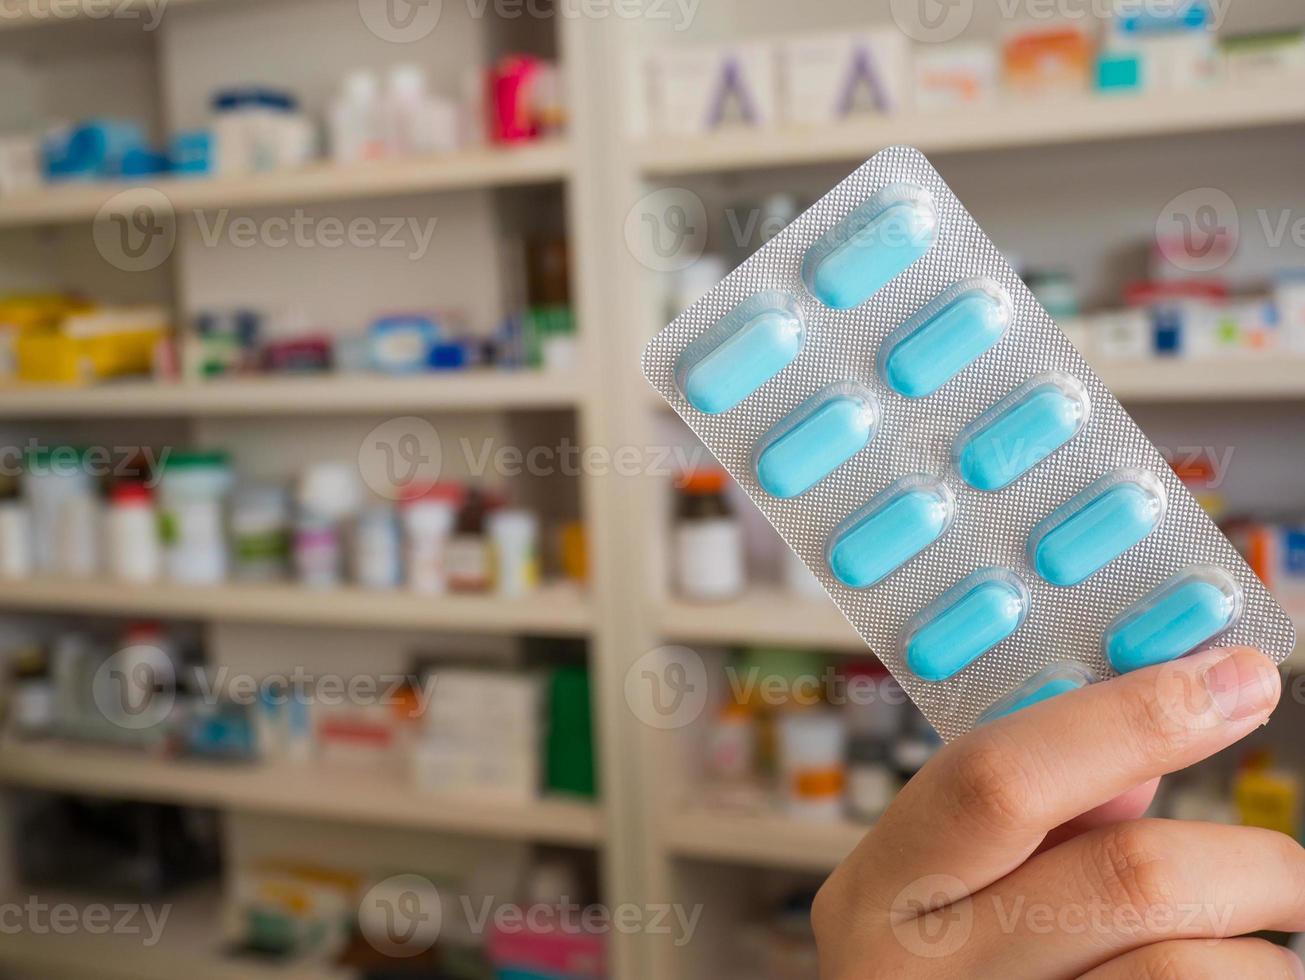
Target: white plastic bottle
(514, 538)
(405, 116)
(133, 539)
(355, 120)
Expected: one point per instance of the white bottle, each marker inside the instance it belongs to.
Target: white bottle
(133, 540)
(356, 128)
(427, 524)
(405, 117)
(514, 537)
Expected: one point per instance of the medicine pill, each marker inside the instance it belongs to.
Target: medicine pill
(945, 337)
(746, 348)
(965, 622)
(1174, 618)
(819, 436)
(1096, 526)
(889, 531)
(871, 246)
(1047, 683)
(1020, 431)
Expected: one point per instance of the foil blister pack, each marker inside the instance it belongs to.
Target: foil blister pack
(975, 500)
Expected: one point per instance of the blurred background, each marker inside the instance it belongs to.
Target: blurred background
(363, 613)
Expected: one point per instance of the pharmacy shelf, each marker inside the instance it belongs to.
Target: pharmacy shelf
(480, 390)
(339, 794)
(1249, 379)
(760, 616)
(190, 945)
(770, 841)
(532, 163)
(1009, 125)
(555, 610)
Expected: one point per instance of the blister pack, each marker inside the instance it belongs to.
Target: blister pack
(899, 406)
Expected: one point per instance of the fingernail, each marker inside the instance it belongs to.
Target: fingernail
(1295, 965)
(1242, 684)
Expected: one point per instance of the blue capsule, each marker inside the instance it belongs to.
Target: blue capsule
(964, 623)
(945, 337)
(1046, 684)
(1175, 618)
(1020, 431)
(871, 246)
(1097, 526)
(819, 436)
(745, 349)
(889, 531)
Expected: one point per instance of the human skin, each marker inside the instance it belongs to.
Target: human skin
(1020, 852)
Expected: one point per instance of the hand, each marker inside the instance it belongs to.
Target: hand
(1017, 852)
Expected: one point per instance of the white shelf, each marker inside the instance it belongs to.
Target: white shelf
(532, 163)
(765, 840)
(190, 945)
(555, 610)
(761, 616)
(481, 390)
(1250, 379)
(340, 795)
(1002, 126)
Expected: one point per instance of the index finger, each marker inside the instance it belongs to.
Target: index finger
(986, 801)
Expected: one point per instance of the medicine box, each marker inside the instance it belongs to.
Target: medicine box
(949, 76)
(828, 77)
(701, 88)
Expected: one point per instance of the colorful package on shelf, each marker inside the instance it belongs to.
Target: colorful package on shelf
(1267, 57)
(1159, 47)
(288, 910)
(255, 130)
(700, 88)
(524, 99)
(192, 153)
(825, 78)
(1043, 60)
(570, 745)
(1267, 796)
(546, 954)
(90, 344)
(1276, 553)
(91, 150)
(949, 76)
(402, 343)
